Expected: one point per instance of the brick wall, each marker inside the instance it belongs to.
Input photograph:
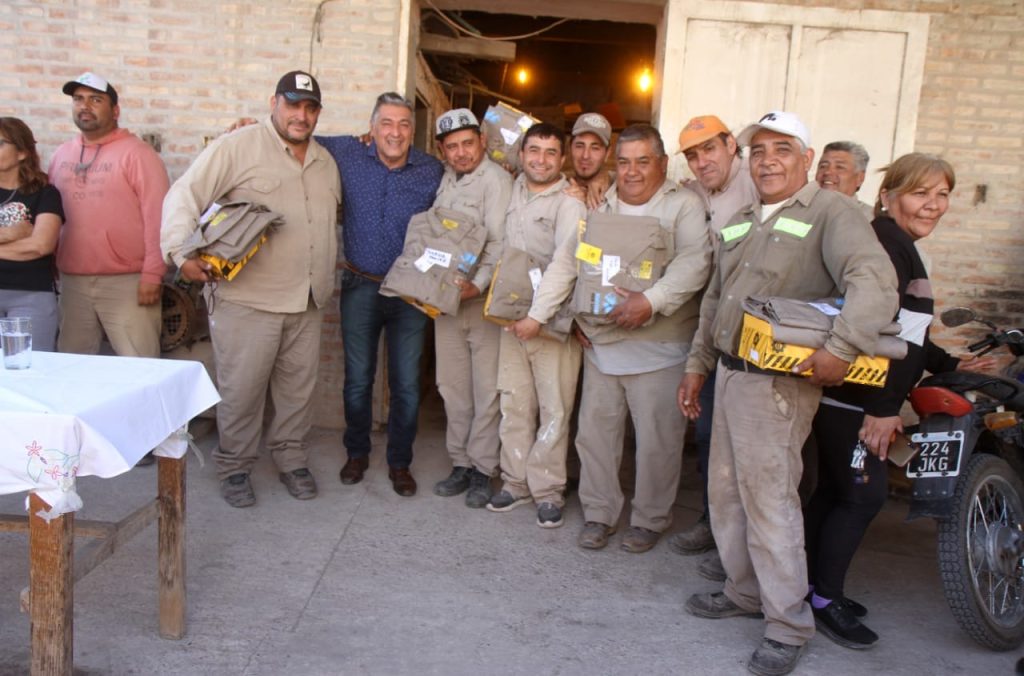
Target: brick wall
(186, 69)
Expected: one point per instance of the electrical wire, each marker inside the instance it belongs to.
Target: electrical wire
(503, 38)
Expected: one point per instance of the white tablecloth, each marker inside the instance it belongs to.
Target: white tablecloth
(75, 415)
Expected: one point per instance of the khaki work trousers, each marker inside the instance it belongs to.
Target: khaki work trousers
(759, 427)
(94, 305)
(259, 355)
(537, 381)
(660, 428)
(467, 348)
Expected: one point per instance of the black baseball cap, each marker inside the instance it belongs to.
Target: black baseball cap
(298, 86)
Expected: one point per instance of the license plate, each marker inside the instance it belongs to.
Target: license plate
(938, 454)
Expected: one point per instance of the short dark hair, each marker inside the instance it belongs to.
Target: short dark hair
(391, 99)
(857, 152)
(641, 132)
(545, 130)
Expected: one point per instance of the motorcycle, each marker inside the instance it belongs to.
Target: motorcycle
(966, 472)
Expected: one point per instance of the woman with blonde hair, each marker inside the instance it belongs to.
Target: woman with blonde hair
(30, 218)
(855, 423)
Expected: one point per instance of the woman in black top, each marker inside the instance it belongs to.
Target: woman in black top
(857, 422)
(30, 220)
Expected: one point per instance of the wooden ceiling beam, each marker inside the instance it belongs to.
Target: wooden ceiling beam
(474, 48)
(625, 11)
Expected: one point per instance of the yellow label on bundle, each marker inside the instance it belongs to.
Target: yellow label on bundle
(588, 253)
(217, 219)
(646, 268)
(449, 223)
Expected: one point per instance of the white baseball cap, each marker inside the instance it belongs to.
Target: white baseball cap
(455, 120)
(778, 121)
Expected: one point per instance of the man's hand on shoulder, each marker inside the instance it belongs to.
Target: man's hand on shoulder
(828, 369)
(149, 293)
(239, 123)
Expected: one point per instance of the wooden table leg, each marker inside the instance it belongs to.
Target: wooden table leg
(52, 592)
(171, 554)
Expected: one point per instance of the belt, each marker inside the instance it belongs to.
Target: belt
(366, 275)
(736, 364)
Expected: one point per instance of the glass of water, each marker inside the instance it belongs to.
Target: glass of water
(16, 340)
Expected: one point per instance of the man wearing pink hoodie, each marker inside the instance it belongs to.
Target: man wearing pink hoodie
(112, 185)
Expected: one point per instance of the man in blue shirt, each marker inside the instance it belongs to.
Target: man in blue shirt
(384, 184)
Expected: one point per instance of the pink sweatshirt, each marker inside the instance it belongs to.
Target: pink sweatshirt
(112, 208)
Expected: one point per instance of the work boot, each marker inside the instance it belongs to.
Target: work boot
(716, 606)
(300, 484)
(638, 540)
(479, 489)
(774, 659)
(838, 621)
(694, 540)
(457, 482)
(237, 490)
(595, 535)
(711, 568)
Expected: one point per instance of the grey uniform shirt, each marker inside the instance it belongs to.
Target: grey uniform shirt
(483, 194)
(539, 222)
(254, 164)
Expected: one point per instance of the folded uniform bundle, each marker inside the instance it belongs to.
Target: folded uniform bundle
(630, 252)
(516, 277)
(230, 234)
(809, 323)
(441, 246)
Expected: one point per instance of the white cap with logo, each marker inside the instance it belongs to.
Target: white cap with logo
(778, 121)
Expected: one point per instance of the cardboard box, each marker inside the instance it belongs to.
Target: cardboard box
(503, 127)
(759, 348)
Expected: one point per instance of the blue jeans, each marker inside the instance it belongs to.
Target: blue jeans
(702, 436)
(364, 313)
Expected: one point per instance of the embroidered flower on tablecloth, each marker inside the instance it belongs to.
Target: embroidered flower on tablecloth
(60, 467)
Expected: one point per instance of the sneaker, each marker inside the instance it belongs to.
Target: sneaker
(694, 540)
(549, 515)
(774, 659)
(300, 483)
(711, 568)
(594, 535)
(716, 606)
(479, 489)
(837, 621)
(503, 501)
(858, 610)
(237, 490)
(457, 482)
(638, 540)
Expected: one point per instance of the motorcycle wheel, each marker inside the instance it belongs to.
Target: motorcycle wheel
(982, 575)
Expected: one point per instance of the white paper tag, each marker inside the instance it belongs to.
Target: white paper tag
(609, 268)
(509, 136)
(210, 212)
(535, 277)
(525, 122)
(432, 257)
(825, 308)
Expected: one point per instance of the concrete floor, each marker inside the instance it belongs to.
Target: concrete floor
(362, 581)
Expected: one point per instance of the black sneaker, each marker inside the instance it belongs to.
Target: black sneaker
(479, 489)
(837, 621)
(858, 609)
(549, 515)
(503, 501)
(457, 482)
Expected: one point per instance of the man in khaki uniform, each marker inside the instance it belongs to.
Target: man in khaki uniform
(537, 378)
(591, 142)
(801, 242)
(724, 185)
(467, 344)
(265, 323)
(631, 363)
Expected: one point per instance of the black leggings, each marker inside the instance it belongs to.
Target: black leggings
(840, 510)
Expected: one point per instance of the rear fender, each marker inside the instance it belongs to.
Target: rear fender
(930, 496)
